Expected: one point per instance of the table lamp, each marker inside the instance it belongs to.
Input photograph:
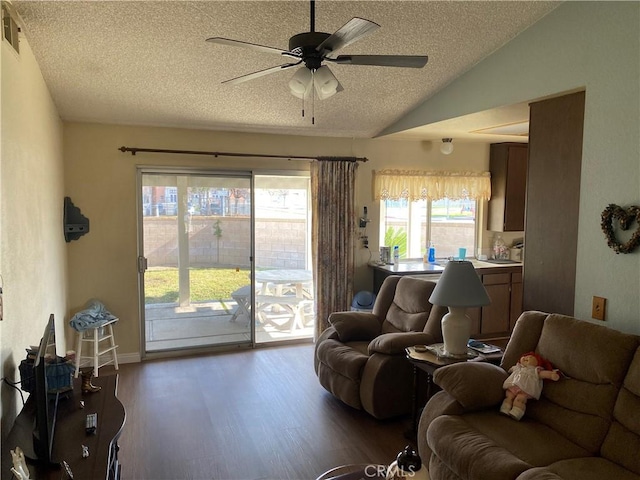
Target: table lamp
(459, 287)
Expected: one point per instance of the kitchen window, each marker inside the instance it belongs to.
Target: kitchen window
(420, 208)
(413, 226)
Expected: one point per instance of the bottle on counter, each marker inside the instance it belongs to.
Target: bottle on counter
(396, 254)
(500, 250)
(431, 255)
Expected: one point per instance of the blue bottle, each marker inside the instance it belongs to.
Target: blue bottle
(431, 258)
(396, 254)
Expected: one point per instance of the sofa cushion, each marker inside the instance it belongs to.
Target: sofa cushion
(591, 468)
(532, 442)
(410, 308)
(474, 385)
(355, 326)
(622, 443)
(580, 405)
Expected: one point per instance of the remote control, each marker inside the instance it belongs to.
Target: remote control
(92, 420)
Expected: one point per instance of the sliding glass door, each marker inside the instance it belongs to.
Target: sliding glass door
(195, 262)
(285, 308)
(198, 235)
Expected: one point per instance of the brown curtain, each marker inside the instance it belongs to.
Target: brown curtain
(332, 232)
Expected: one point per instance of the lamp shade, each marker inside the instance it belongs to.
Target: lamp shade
(325, 82)
(459, 286)
(300, 83)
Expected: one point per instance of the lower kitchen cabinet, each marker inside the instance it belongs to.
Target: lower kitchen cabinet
(516, 299)
(498, 318)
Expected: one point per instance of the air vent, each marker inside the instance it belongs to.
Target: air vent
(10, 28)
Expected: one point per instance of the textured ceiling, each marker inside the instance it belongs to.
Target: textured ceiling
(147, 62)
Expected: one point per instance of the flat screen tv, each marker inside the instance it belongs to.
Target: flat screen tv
(46, 403)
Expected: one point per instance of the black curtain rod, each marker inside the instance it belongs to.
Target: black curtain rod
(135, 150)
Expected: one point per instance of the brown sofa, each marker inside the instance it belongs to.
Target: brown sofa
(584, 426)
(360, 358)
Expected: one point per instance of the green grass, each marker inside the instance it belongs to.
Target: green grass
(161, 284)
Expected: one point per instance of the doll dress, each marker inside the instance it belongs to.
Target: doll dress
(525, 378)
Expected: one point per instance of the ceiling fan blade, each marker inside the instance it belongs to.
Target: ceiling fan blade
(251, 46)
(410, 61)
(260, 73)
(353, 30)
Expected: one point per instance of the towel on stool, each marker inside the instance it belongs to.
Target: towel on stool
(94, 316)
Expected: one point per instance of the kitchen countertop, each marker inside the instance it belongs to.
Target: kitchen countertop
(417, 266)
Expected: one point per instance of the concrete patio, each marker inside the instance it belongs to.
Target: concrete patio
(169, 326)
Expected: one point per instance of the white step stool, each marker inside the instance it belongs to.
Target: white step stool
(95, 336)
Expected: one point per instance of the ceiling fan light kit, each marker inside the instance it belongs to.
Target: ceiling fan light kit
(313, 48)
(447, 146)
(300, 83)
(325, 82)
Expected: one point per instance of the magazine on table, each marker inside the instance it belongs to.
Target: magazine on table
(482, 347)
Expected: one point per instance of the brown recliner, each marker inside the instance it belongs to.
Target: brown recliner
(360, 358)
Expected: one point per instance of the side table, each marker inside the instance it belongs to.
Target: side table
(429, 362)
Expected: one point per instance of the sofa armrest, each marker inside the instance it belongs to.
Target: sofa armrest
(475, 385)
(439, 404)
(395, 343)
(355, 326)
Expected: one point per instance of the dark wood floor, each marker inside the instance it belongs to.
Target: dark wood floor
(256, 414)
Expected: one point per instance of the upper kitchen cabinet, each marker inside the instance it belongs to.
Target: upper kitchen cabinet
(508, 165)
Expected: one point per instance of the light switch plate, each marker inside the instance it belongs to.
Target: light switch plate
(598, 308)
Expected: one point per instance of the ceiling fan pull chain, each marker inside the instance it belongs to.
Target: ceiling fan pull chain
(313, 97)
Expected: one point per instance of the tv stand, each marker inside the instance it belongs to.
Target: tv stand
(70, 435)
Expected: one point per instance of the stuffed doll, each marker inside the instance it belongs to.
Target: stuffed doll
(525, 382)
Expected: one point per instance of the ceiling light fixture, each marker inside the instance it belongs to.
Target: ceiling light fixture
(447, 146)
(306, 79)
(325, 82)
(300, 83)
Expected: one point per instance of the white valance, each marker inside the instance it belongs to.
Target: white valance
(423, 185)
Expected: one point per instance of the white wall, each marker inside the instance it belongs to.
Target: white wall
(32, 247)
(590, 45)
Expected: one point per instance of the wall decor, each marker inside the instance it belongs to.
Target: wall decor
(74, 223)
(625, 216)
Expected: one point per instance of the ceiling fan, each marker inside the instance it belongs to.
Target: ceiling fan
(313, 48)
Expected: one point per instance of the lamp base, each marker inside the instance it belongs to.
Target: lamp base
(456, 330)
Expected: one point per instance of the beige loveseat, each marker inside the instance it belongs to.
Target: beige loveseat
(586, 426)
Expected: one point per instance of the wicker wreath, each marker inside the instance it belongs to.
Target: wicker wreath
(625, 217)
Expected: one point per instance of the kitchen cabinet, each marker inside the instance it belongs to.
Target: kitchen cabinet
(503, 284)
(516, 299)
(508, 166)
(495, 316)
(498, 318)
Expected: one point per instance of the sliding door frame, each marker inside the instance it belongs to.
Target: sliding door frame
(141, 261)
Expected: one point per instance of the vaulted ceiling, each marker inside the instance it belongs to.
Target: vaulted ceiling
(147, 62)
